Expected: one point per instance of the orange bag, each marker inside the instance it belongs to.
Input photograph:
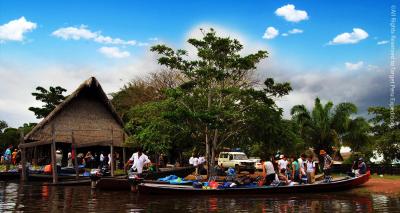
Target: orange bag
(47, 169)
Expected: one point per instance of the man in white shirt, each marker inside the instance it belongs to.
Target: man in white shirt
(139, 161)
(310, 170)
(282, 163)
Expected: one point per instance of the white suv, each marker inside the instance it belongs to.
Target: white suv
(237, 160)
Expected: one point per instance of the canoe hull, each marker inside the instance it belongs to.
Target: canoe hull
(305, 188)
(116, 184)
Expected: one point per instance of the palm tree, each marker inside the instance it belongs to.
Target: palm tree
(327, 126)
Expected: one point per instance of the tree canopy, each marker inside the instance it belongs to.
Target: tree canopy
(51, 98)
(217, 103)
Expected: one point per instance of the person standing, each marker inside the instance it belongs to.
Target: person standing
(282, 163)
(302, 161)
(295, 171)
(310, 166)
(139, 160)
(328, 161)
(196, 164)
(69, 160)
(14, 157)
(59, 157)
(7, 157)
(268, 172)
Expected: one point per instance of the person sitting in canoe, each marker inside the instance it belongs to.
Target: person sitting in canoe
(139, 160)
(283, 177)
(362, 167)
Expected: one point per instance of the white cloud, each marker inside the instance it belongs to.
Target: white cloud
(15, 29)
(295, 31)
(74, 33)
(354, 66)
(270, 33)
(357, 35)
(382, 42)
(114, 52)
(290, 13)
(285, 34)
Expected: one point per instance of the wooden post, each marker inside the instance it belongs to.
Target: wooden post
(75, 155)
(23, 155)
(112, 154)
(123, 152)
(53, 155)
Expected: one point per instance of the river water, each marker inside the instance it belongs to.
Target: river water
(29, 197)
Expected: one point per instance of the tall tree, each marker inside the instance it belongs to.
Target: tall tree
(218, 89)
(386, 131)
(51, 98)
(327, 126)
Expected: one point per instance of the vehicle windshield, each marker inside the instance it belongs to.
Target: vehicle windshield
(240, 157)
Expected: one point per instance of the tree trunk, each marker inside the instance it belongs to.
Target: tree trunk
(213, 149)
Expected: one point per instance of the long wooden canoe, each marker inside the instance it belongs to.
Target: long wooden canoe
(343, 184)
(9, 175)
(121, 183)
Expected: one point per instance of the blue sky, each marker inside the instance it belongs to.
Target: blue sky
(43, 55)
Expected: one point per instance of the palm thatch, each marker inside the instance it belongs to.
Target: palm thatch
(86, 115)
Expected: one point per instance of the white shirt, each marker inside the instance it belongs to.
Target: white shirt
(195, 161)
(101, 157)
(301, 163)
(191, 160)
(310, 166)
(139, 162)
(282, 164)
(202, 160)
(269, 167)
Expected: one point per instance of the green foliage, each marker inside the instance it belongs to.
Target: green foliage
(51, 98)
(386, 131)
(12, 135)
(327, 126)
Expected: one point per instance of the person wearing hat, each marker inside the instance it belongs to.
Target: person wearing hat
(59, 157)
(328, 161)
(362, 167)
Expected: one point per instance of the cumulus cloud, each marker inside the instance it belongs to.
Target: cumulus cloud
(114, 52)
(382, 42)
(82, 32)
(363, 87)
(270, 33)
(354, 37)
(354, 66)
(295, 31)
(290, 13)
(15, 29)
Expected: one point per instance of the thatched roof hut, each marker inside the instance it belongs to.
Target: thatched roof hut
(87, 116)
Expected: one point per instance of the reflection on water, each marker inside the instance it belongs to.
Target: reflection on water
(37, 198)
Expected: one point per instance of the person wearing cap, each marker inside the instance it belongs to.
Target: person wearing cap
(59, 157)
(362, 167)
(282, 163)
(328, 161)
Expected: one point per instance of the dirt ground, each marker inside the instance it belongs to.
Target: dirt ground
(381, 186)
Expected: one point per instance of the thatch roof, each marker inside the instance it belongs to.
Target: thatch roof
(88, 113)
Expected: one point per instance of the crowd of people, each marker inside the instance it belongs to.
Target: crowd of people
(10, 157)
(301, 170)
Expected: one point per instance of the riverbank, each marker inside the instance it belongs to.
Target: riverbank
(387, 184)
